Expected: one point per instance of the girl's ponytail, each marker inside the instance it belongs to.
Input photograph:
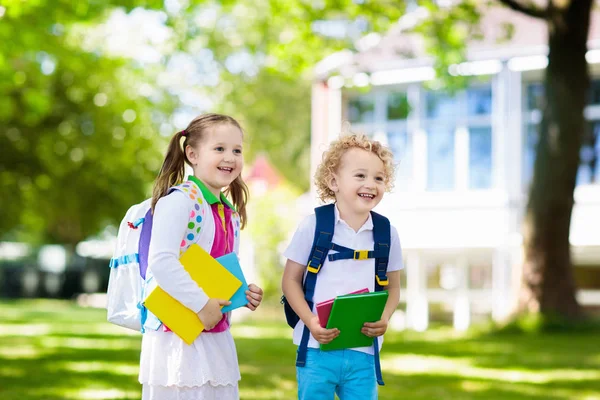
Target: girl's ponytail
(172, 171)
(238, 191)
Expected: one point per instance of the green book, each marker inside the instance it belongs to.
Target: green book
(349, 313)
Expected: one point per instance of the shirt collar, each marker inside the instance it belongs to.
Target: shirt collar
(208, 195)
(368, 225)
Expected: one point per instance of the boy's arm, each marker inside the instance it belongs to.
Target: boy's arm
(292, 289)
(291, 285)
(393, 295)
(374, 329)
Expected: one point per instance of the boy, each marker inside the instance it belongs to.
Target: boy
(355, 172)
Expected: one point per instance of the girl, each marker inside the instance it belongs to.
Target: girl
(196, 211)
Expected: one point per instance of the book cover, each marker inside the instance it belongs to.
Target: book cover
(210, 275)
(324, 308)
(349, 313)
(231, 262)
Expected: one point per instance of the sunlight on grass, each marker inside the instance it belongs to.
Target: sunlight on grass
(12, 372)
(414, 364)
(100, 394)
(87, 343)
(21, 352)
(25, 330)
(95, 366)
(253, 394)
(251, 332)
(249, 369)
(525, 389)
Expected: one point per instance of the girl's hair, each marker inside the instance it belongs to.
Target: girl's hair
(333, 155)
(172, 171)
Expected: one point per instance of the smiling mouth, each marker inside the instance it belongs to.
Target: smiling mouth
(367, 195)
(225, 169)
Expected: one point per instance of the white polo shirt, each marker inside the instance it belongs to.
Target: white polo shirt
(342, 276)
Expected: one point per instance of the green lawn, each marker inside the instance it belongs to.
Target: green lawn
(55, 350)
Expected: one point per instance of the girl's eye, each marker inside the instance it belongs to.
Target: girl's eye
(379, 178)
(219, 148)
(359, 176)
(237, 151)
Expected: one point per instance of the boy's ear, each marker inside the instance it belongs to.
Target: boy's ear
(333, 183)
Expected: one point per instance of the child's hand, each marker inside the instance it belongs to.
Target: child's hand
(374, 329)
(254, 294)
(322, 335)
(211, 314)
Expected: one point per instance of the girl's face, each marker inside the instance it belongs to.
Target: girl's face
(218, 160)
(359, 182)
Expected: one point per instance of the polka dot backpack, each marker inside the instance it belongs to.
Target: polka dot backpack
(129, 279)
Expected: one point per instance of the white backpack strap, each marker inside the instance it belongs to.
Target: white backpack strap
(201, 226)
(235, 221)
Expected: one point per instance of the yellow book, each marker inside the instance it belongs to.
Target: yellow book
(210, 275)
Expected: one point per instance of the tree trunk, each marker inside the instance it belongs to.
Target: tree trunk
(547, 284)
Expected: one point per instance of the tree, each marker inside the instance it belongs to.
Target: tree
(547, 280)
(77, 138)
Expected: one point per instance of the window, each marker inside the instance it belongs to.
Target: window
(529, 144)
(589, 169)
(361, 109)
(399, 139)
(441, 105)
(535, 96)
(440, 157)
(400, 142)
(471, 110)
(480, 157)
(397, 106)
(479, 101)
(594, 94)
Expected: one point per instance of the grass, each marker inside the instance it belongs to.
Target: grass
(54, 350)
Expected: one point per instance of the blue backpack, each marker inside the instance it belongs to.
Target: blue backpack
(322, 244)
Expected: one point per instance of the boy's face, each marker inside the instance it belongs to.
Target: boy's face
(359, 182)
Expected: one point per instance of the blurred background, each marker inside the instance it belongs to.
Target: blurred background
(91, 92)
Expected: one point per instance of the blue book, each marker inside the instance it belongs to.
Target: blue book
(232, 264)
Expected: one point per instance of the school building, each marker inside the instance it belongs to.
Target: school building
(465, 161)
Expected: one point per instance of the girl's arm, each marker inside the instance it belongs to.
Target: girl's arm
(171, 216)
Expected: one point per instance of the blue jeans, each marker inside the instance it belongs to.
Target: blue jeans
(348, 373)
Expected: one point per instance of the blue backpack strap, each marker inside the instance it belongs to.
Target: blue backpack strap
(381, 239)
(325, 216)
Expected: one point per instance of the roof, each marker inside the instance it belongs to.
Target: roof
(399, 48)
(262, 170)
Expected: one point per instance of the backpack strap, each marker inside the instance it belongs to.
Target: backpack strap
(356, 254)
(144, 243)
(324, 226)
(381, 240)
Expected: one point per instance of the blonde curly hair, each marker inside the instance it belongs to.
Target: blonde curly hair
(333, 155)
